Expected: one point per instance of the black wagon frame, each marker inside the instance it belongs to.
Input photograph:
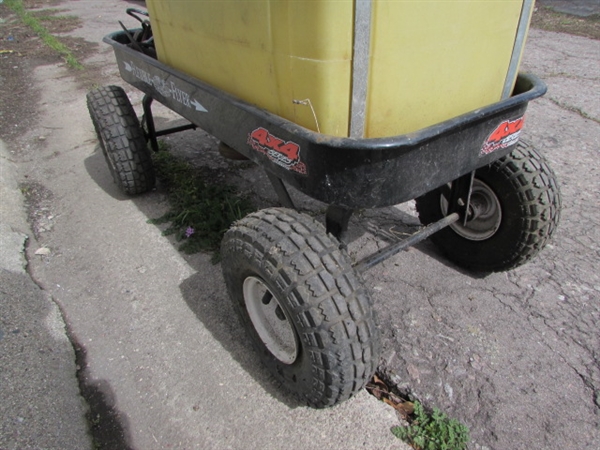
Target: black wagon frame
(345, 173)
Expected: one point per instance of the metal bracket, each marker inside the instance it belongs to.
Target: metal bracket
(148, 121)
(336, 222)
(459, 196)
(282, 193)
(150, 132)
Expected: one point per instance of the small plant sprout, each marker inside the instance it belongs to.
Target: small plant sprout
(200, 213)
(433, 431)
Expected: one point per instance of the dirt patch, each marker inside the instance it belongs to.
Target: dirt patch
(21, 51)
(544, 18)
(38, 201)
(37, 4)
(56, 22)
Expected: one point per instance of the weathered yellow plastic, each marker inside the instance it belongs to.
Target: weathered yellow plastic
(429, 60)
(436, 60)
(269, 53)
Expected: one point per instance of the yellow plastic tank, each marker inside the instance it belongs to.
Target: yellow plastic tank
(358, 68)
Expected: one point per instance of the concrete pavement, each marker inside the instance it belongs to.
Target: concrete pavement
(40, 401)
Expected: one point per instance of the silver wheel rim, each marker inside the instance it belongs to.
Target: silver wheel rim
(270, 320)
(485, 213)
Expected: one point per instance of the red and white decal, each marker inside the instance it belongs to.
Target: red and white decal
(285, 154)
(505, 135)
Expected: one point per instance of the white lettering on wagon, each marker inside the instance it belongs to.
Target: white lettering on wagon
(165, 88)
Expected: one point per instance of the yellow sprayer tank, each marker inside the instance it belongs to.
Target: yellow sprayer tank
(357, 68)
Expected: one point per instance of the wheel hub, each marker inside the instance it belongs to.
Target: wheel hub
(270, 320)
(484, 215)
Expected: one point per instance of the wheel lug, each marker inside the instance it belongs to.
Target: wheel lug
(279, 313)
(267, 298)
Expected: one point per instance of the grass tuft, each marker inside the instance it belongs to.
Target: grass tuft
(50, 40)
(200, 213)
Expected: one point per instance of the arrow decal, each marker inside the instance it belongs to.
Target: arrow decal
(198, 106)
(165, 86)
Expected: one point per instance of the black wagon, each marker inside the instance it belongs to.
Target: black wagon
(487, 200)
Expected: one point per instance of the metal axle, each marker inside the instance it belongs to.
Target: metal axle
(378, 257)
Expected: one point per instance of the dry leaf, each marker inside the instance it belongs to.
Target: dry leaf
(381, 391)
(380, 382)
(375, 391)
(377, 388)
(389, 402)
(405, 409)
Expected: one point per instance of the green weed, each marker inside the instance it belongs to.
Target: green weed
(433, 431)
(50, 40)
(199, 213)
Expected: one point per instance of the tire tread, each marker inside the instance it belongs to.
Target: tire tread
(527, 175)
(340, 328)
(122, 139)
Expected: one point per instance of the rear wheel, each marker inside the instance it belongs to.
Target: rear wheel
(306, 309)
(515, 209)
(121, 139)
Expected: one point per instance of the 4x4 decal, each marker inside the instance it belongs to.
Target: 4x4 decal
(505, 135)
(283, 153)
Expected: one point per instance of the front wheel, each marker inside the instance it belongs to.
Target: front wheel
(515, 209)
(306, 309)
(121, 139)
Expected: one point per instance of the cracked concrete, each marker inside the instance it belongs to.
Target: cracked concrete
(37, 361)
(576, 89)
(515, 355)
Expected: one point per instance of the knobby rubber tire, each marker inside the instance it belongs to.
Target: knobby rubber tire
(313, 281)
(121, 139)
(530, 202)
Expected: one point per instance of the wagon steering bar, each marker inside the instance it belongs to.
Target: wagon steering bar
(378, 257)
